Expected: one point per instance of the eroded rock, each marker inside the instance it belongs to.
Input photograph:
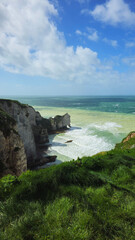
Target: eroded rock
(25, 138)
(28, 126)
(60, 122)
(130, 135)
(12, 153)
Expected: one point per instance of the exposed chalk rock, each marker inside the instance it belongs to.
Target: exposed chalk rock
(12, 153)
(60, 122)
(25, 138)
(27, 125)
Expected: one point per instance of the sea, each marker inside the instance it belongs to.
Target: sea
(97, 122)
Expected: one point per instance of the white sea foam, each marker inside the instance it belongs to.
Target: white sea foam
(77, 104)
(107, 126)
(116, 105)
(99, 131)
(84, 141)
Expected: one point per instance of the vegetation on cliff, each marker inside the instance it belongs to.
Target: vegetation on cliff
(10, 102)
(7, 123)
(128, 142)
(92, 198)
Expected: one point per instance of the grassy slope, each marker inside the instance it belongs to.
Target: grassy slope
(92, 198)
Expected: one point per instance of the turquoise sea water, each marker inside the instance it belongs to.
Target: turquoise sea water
(98, 123)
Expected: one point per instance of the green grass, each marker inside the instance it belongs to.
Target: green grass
(92, 198)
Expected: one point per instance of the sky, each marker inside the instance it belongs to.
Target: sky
(67, 47)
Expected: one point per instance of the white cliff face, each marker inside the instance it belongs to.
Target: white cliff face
(60, 122)
(12, 153)
(65, 120)
(26, 118)
(31, 133)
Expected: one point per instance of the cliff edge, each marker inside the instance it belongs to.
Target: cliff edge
(31, 130)
(28, 127)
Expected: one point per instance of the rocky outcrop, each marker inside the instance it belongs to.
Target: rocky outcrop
(31, 131)
(128, 142)
(60, 122)
(130, 136)
(43, 161)
(28, 126)
(12, 153)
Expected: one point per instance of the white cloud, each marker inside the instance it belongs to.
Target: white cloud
(130, 44)
(78, 32)
(114, 12)
(93, 36)
(30, 43)
(85, 11)
(130, 61)
(113, 43)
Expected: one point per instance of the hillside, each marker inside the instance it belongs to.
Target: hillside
(92, 198)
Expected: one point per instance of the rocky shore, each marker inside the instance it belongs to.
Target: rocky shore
(24, 136)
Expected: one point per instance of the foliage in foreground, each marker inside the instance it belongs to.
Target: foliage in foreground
(92, 198)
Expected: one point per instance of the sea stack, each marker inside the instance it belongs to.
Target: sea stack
(60, 122)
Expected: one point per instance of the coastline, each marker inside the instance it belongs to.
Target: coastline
(101, 130)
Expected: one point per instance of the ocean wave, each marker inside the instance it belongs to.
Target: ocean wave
(107, 126)
(84, 141)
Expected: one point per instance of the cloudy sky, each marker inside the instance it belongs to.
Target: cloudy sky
(67, 47)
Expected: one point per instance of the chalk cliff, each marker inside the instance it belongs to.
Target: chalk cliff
(60, 122)
(12, 153)
(29, 135)
(28, 126)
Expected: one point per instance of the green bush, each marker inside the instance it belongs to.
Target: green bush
(7, 184)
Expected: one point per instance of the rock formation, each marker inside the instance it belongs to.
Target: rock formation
(130, 135)
(12, 154)
(29, 132)
(128, 142)
(28, 126)
(60, 122)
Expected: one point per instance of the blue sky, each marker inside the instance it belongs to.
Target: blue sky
(67, 47)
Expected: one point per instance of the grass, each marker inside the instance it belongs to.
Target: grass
(92, 198)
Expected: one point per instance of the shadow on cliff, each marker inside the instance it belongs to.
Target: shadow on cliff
(57, 144)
